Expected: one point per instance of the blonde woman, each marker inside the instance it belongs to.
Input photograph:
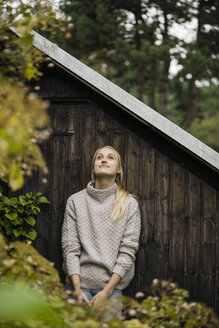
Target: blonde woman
(100, 233)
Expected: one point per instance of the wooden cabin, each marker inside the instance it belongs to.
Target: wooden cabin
(174, 175)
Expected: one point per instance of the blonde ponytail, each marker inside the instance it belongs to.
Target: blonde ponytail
(122, 195)
(120, 204)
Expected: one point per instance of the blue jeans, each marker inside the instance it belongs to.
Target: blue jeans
(115, 308)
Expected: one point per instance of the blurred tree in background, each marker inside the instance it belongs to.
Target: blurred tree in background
(134, 43)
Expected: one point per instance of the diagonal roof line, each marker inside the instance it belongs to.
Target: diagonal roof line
(127, 102)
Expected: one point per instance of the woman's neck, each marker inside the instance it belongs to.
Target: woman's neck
(104, 183)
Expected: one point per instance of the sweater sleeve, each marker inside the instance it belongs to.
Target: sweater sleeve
(71, 245)
(130, 241)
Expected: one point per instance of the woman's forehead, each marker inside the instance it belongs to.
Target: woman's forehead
(106, 150)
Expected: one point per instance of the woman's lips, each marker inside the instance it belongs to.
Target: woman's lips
(104, 166)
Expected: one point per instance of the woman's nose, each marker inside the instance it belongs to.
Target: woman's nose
(103, 160)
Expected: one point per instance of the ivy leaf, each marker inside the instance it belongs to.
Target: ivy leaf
(9, 230)
(18, 221)
(11, 216)
(7, 210)
(43, 200)
(31, 234)
(6, 200)
(36, 208)
(30, 220)
(5, 223)
(20, 209)
(14, 202)
(22, 200)
(18, 232)
(29, 194)
(36, 194)
(33, 211)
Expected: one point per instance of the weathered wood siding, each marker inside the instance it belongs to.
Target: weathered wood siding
(177, 195)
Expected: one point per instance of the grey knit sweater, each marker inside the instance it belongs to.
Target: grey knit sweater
(93, 245)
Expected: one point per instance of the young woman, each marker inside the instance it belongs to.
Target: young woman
(100, 233)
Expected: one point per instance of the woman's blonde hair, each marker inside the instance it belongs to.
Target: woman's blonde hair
(122, 195)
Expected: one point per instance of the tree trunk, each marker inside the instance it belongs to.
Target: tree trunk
(165, 73)
(164, 88)
(153, 85)
(140, 82)
(192, 91)
(192, 104)
(140, 66)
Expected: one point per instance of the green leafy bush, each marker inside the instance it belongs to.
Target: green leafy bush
(18, 215)
(169, 307)
(32, 296)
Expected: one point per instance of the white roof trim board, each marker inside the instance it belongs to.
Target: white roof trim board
(126, 101)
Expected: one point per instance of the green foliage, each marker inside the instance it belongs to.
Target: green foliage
(168, 307)
(18, 216)
(198, 64)
(206, 130)
(19, 303)
(32, 296)
(23, 118)
(20, 131)
(205, 125)
(19, 60)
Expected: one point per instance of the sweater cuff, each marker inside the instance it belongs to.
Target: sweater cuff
(119, 270)
(73, 266)
(75, 271)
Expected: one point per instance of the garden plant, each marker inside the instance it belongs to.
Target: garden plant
(31, 295)
(18, 215)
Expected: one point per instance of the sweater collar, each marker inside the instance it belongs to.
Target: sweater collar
(101, 194)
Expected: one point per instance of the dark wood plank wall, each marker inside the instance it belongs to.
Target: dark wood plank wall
(180, 219)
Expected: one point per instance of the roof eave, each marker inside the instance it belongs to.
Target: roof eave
(127, 102)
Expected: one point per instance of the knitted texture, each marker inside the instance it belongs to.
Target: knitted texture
(93, 245)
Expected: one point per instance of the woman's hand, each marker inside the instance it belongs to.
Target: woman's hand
(81, 297)
(98, 300)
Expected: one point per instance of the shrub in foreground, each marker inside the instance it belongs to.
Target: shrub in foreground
(168, 307)
(32, 296)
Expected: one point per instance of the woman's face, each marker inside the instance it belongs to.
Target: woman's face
(106, 163)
